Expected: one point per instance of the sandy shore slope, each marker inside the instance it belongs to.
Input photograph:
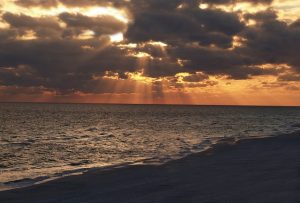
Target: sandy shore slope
(262, 170)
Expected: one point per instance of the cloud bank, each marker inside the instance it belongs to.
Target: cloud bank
(71, 47)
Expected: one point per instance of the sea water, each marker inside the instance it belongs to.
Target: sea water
(40, 142)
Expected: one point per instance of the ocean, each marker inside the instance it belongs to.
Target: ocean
(40, 142)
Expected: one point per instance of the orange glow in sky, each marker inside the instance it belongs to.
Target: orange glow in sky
(83, 52)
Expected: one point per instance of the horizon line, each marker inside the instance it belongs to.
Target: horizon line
(148, 104)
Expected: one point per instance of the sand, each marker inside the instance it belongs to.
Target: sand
(257, 170)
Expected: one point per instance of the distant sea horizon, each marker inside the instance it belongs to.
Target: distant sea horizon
(154, 104)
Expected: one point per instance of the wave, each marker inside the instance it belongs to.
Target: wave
(84, 166)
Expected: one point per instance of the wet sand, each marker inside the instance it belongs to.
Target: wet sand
(257, 170)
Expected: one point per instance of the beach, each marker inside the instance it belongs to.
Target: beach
(252, 170)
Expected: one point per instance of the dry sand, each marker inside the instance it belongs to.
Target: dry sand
(260, 170)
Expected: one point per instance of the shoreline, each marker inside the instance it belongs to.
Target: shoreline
(35, 181)
(250, 170)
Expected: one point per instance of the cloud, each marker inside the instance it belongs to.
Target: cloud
(198, 77)
(43, 26)
(43, 3)
(289, 77)
(50, 63)
(76, 24)
(237, 1)
(7, 91)
(185, 25)
(102, 25)
(272, 40)
(133, 4)
(73, 52)
(20, 75)
(24, 21)
(70, 3)
(54, 62)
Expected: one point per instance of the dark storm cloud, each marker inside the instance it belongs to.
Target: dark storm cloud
(20, 75)
(76, 24)
(192, 81)
(135, 4)
(289, 77)
(196, 77)
(8, 34)
(262, 17)
(189, 25)
(272, 40)
(178, 27)
(212, 61)
(16, 90)
(102, 25)
(43, 26)
(153, 50)
(71, 3)
(201, 84)
(216, 61)
(198, 40)
(237, 1)
(64, 65)
(161, 68)
(185, 25)
(24, 21)
(279, 84)
(54, 62)
(296, 24)
(87, 84)
(79, 3)
(43, 3)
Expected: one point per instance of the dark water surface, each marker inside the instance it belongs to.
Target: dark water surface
(43, 141)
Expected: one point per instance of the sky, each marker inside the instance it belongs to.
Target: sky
(210, 52)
